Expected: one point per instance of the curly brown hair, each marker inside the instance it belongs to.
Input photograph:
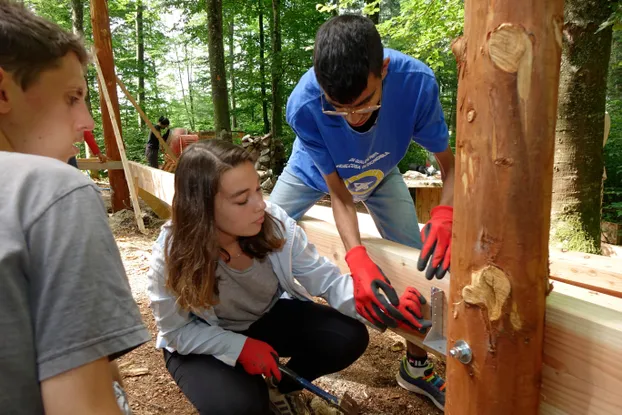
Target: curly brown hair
(192, 248)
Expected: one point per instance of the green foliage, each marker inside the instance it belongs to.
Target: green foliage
(177, 77)
(615, 19)
(612, 197)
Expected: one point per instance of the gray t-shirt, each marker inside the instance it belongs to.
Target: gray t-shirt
(244, 296)
(65, 300)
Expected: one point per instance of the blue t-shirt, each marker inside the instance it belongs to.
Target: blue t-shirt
(410, 110)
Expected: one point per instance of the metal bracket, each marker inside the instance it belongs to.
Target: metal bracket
(435, 339)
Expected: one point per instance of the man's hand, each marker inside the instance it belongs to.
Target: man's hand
(410, 307)
(377, 307)
(259, 358)
(436, 237)
(102, 157)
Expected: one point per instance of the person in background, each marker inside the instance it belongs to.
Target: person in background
(355, 114)
(89, 139)
(230, 282)
(66, 309)
(152, 149)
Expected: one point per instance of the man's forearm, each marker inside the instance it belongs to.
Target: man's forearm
(447, 164)
(344, 212)
(447, 196)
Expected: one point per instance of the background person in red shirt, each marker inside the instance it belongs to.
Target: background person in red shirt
(89, 139)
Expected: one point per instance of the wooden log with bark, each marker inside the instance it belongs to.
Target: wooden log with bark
(120, 193)
(508, 62)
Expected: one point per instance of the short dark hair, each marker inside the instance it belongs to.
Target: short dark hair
(30, 44)
(347, 49)
(163, 120)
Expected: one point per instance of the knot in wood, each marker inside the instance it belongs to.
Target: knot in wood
(490, 288)
(511, 49)
(471, 115)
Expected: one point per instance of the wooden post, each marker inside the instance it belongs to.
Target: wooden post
(508, 64)
(117, 134)
(103, 46)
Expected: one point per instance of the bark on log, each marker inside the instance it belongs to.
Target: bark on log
(120, 194)
(508, 63)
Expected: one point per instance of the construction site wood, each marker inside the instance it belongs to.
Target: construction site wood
(582, 371)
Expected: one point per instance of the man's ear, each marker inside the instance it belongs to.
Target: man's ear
(385, 67)
(5, 106)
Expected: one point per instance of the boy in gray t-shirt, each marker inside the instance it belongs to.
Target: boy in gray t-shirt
(64, 297)
(66, 308)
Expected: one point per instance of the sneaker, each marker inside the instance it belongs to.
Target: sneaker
(430, 385)
(287, 404)
(121, 397)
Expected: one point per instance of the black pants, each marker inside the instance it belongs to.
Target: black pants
(151, 154)
(319, 340)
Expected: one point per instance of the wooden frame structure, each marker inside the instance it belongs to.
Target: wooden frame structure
(581, 375)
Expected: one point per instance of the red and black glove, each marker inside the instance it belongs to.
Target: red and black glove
(410, 307)
(436, 237)
(377, 307)
(259, 358)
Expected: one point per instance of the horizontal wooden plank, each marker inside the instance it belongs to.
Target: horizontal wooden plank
(593, 272)
(159, 183)
(95, 164)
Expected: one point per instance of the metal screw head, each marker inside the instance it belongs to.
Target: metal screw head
(461, 351)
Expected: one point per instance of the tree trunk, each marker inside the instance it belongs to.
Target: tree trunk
(77, 21)
(262, 70)
(140, 57)
(234, 121)
(508, 64)
(181, 85)
(188, 59)
(580, 126)
(100, 20)
(222, 122)
(277, 156)
(376, 16)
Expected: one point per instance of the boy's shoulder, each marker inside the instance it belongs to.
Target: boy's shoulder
(33, 183)
(400, 63)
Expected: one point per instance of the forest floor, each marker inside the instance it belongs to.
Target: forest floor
(152, 391)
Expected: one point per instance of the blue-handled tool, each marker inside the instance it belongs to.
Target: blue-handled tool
(346, 404)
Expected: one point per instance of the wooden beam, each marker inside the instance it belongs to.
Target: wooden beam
(95, 164)
(100, 21)
(117, 134)
(159, 183)
(130, 98)
(592, 272)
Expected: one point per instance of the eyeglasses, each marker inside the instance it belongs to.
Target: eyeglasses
(360, 111)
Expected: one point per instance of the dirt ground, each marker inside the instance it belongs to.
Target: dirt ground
(151, 390)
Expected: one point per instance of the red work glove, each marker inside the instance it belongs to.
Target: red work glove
(375, 306)
(259, 358)
(410, 307)
(436, 237)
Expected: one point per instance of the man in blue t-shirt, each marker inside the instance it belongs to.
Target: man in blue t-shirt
(355, 114)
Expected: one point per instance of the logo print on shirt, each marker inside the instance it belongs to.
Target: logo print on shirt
(364, 183)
